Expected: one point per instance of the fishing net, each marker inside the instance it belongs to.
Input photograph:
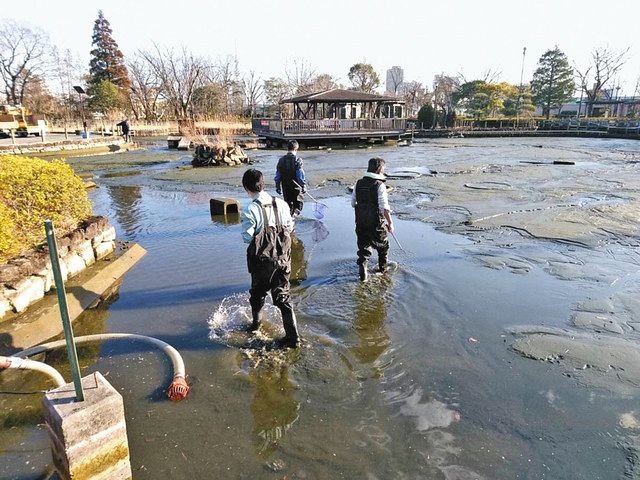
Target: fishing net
(319, 210)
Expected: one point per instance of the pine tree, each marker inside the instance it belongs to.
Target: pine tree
(553, 83)
(107, 61)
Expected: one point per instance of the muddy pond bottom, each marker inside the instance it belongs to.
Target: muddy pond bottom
(409, 375)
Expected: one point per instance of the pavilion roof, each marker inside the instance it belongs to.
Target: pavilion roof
(341, 95)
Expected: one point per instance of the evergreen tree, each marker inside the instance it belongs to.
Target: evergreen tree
(553, 83)
(426, 115)
(107, 61)
(105, 97)
(363, 77)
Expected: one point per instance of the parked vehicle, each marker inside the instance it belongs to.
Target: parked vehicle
(22, 121)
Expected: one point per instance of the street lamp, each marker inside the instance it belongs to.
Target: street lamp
(524, 52)
(81, 92)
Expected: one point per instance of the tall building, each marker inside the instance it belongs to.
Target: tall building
(395, 77)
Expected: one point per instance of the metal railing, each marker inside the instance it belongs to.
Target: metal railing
(267, 125)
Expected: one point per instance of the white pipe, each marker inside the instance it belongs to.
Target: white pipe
(172, 353)
(26, 364)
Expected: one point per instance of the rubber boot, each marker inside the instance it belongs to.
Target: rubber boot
(257, 320)
(382, 263)
(362, 270)
(291, 338)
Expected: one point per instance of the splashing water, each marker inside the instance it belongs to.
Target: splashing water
(229, 321)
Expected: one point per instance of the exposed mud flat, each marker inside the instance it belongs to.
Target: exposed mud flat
(611, 363)
(504, 346)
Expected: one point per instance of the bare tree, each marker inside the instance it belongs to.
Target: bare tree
(415, 96)
(145, 88)
(444, 87)
(252, 88)
(488, 76)
(24, 52)
(395, 75)
(179, 74)
(67, 72)
(323, 82)
(605, 64)
(300, 76)
(227, 77)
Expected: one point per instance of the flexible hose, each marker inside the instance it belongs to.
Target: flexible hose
(178, 388)
(26, 364)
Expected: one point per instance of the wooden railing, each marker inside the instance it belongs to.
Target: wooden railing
(266, 125)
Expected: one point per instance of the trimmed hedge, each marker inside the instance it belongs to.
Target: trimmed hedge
(31, 191)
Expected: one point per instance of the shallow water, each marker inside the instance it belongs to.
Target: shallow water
(410, 375)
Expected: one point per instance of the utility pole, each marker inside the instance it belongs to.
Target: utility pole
(524, 53)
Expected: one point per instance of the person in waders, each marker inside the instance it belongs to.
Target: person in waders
(266, 226)
(373, 216)
(290, 179)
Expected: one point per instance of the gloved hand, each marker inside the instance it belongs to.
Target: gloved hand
(279, 191)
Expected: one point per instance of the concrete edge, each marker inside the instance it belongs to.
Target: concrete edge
(86, 295)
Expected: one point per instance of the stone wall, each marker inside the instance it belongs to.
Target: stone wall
(26, 278)
(106, 143)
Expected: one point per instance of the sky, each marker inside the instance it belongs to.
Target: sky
(422, 36)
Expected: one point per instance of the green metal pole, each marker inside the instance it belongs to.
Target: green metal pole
(64, 311)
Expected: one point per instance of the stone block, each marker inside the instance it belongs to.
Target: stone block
(89, 438)
(109, 234)
(104, 249)
(98, 220)
(9, 273)
(5, 306)
(76, 238)
(97, 239)
(63, 242)
(29, 290)
(75, 264)
(64, 272)
(85, 250)
(91, 230)
(47, 275)
(24, 265)
(39, 260)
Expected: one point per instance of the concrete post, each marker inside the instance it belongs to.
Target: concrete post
(88, 438)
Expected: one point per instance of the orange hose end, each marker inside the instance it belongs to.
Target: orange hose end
(178, 389)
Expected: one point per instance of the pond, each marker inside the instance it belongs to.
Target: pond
(410, 375)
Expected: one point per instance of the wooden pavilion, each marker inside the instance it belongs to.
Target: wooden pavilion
(333, 115)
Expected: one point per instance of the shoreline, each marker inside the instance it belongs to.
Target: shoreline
(94, 146)
(41, 321)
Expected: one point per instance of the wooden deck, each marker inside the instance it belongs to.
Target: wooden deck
(329, 128)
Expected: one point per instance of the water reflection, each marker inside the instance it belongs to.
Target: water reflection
(126, 202)
(274, 407)
(228, 219)
(370, 313)
(298, 262)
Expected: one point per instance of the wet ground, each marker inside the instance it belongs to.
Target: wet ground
(504, 345)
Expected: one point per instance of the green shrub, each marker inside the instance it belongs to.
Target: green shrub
(31, 191)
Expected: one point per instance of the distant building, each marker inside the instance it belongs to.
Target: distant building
(609, 104)
(395, 79)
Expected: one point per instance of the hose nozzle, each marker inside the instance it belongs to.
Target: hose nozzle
(178, 389)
